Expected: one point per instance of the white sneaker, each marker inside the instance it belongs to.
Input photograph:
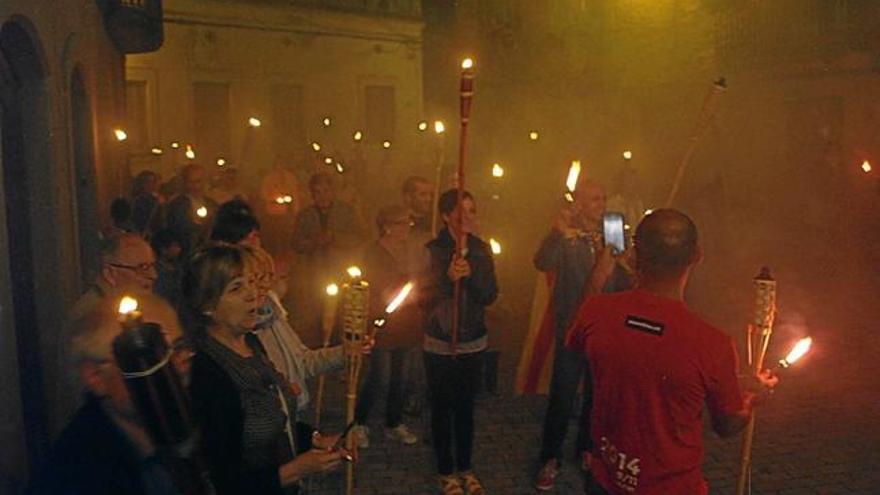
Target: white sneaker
(402, 434)
(361, 436)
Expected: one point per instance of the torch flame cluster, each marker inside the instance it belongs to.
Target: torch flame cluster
(797, 352)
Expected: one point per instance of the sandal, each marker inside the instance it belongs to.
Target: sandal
(450, 485)
(472, 484)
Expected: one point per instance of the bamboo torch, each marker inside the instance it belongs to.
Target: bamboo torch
(328, 319)
(757, 341)
(467, 95)
(706, 112)
(355, 300)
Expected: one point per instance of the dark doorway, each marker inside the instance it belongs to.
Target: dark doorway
(23, 100)
(86, 190)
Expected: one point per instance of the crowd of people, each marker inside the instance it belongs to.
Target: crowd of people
(224, 274)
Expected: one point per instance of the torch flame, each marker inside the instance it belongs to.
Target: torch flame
(439, 127)
(316, 146)
(280, 200)
(326, 121)
(386, 144)
(202, 212)
(358, 135)
(399, 298)
(332, 290)
(254, 122)
(175, 144)
(497, 170)
(423, 126)
(797, 352)
(127, 305)
(221, 161)
(354, 272)
(287, 199)
(120, 135)
(156, 151)
(190, 152)
(467, 63)
(495, 245)
(328, 160)
(533, 135)
(648, 211)
(340, 168)
(866, 166)
(627, 155)
(573, 173)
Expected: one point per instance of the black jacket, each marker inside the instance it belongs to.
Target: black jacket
(479, 290)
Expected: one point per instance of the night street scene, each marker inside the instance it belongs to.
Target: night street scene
(451, 247)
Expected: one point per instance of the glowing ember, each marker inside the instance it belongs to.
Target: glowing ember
(386, 144)
(497, 170)
(202, 212)
(467, 63)
(866, 166)
(797, 352)
(221, 161)
(533, 135)
(439, 127)
(354, 272)
(332, 290)
(495, 245)
(254, 122)
(190, 152)
(120, 135)
(316, 146)
(423, 126)
(156, 151)
(399, 298)
(358, 135)
(573, 173)
(627, 155)
(127, 305)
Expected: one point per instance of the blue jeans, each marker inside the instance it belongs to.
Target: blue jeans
(568, 370)
(383, 362)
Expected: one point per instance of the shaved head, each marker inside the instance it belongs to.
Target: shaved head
(590, 201)
(666, 244)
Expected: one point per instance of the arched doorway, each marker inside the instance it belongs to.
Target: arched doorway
(87, 218)
(24, 124)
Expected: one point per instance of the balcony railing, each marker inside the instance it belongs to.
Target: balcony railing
(134, 25)
(394, 8)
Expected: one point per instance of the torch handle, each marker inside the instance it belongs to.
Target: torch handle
(746, 456)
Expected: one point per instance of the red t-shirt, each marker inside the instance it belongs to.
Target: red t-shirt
(654, 364)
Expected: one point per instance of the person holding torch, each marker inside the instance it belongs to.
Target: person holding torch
(453, 368)
(654, 366)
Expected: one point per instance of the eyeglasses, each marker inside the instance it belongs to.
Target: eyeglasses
(141, 267)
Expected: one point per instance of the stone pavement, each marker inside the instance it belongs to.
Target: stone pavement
(819, 434)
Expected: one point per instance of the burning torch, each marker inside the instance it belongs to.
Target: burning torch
(328, 320)
(355, 301)
(157, 391)
(467, 96)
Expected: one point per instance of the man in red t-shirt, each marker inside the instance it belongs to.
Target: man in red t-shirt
(654, 365)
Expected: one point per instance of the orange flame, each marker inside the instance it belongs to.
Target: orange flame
(399, 298)
(797, 352)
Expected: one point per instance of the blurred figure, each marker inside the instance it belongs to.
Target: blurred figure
(182, 216)
(277, 213)
(246, 409)
(235, 223)
(105, 448)
(572, 255)
(226, 186)
(453, 374)
(168, 265)
(418, 196)
(120, 215)
(655, 366)
(146, 207)
(326, 237)
(391, 262)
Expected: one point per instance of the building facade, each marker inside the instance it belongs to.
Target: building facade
(62, 92)
(290, 64)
